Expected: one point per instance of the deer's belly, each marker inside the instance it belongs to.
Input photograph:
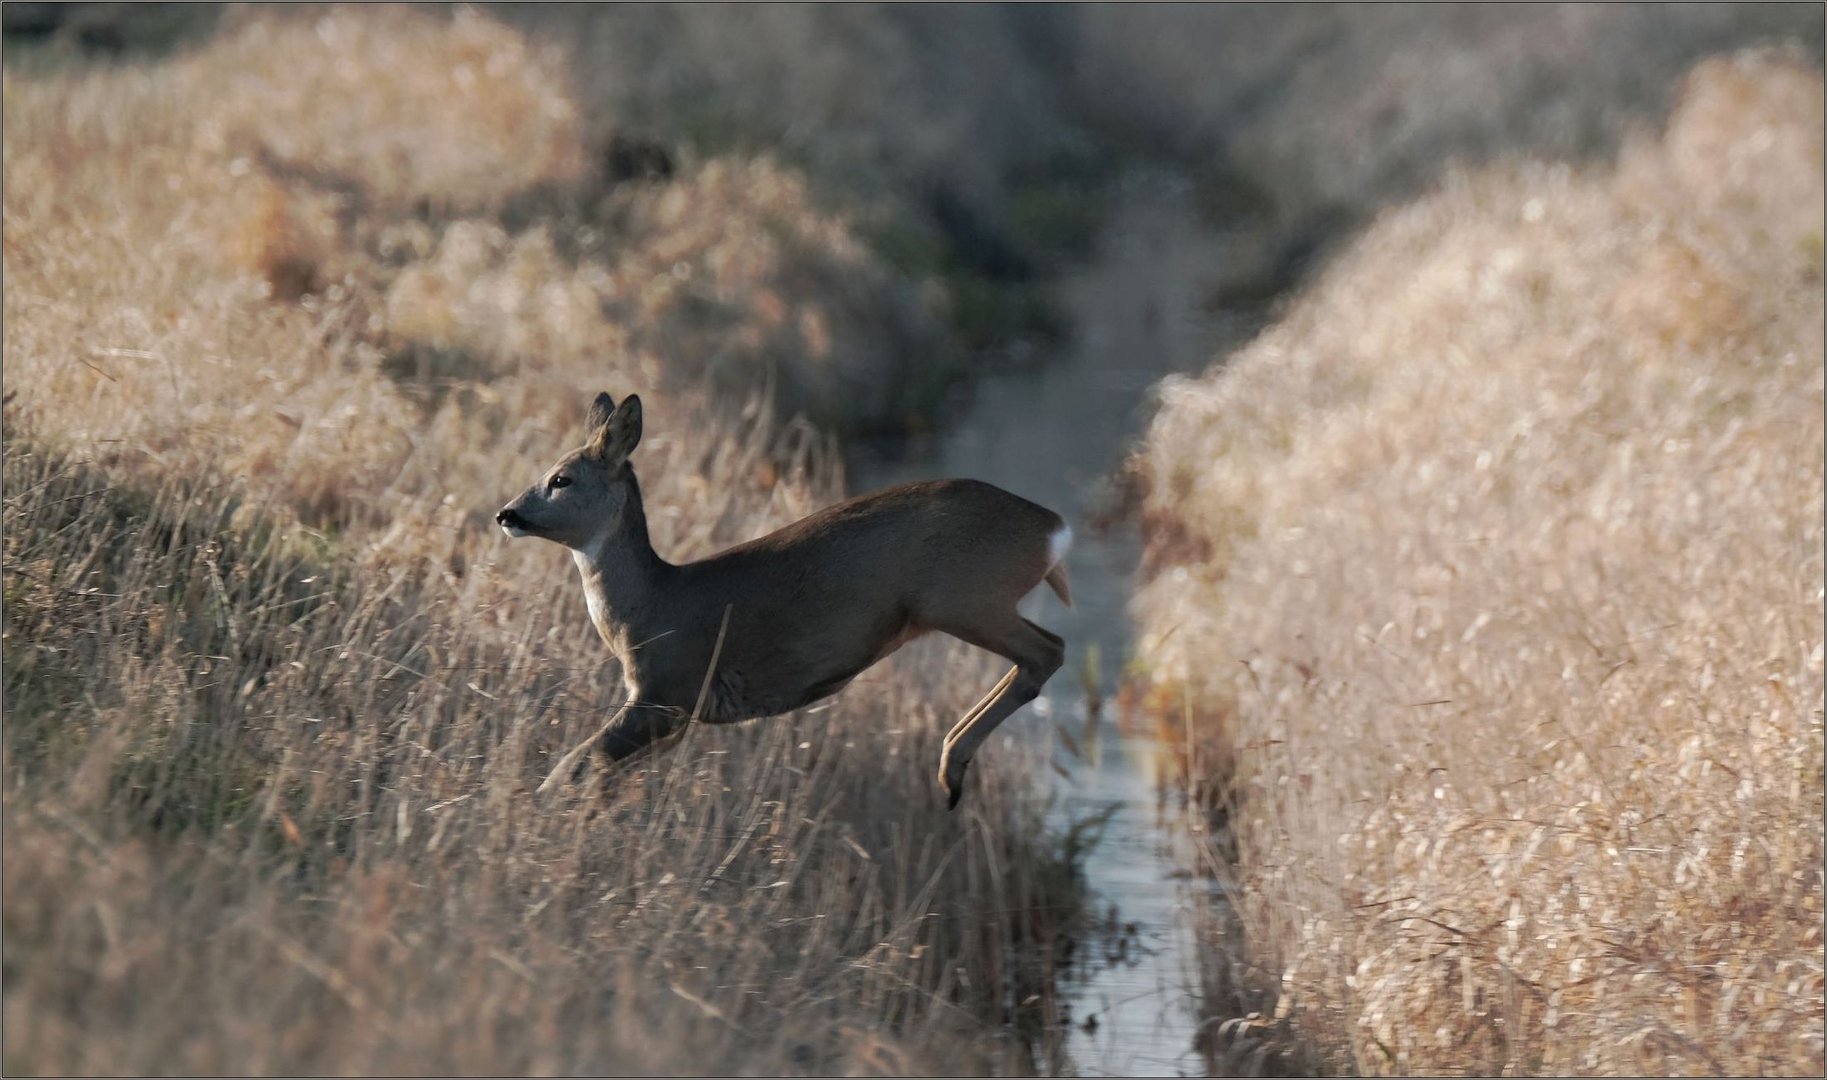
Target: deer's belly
(750, 688)
(729, 698)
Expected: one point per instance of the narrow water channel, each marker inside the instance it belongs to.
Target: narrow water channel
(1055, 436)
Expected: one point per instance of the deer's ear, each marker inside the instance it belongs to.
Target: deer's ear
(620, 431)
(602, 410)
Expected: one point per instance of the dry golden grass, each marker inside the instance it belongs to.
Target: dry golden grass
(1492, 579)
(272, 813)
(409, 214)
(276, 348)
(1328, 110)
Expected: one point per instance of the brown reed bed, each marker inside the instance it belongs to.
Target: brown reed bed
(1489, 581)
(279, 338)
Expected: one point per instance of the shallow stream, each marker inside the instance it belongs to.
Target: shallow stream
(1055, 436)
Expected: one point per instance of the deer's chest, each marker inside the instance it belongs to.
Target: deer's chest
(715, 695)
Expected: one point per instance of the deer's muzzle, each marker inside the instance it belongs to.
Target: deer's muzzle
(512, 523)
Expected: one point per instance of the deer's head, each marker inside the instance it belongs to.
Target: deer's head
(590, 494)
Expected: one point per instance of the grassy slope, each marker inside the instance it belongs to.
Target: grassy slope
(269, 812)
(1342, 111)
(1001, 134)
(277, 692)
(1491, 578)
(437, 181)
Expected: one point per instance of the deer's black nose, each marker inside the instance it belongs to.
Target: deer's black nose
(507, 518)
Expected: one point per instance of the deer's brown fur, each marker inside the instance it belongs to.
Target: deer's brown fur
(793, 616)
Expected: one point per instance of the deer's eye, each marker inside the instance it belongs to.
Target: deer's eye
(559, 481)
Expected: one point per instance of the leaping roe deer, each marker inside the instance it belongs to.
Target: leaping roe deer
(780, 622)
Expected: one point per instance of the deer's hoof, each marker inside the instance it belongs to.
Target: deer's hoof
(951, 780)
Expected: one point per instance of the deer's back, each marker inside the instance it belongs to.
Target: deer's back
(901, 550)
(915, 526)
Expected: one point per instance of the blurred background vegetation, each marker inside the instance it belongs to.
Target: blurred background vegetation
(975, 151)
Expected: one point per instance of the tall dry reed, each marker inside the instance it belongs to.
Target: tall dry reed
(279, 337)
(1490, 581)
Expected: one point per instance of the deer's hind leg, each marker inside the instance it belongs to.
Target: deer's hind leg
(976, 710)
(1037, 654)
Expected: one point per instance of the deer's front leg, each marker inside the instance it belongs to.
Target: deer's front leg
(637, 725)
(628, 729)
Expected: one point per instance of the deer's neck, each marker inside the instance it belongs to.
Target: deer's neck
(623, 578)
